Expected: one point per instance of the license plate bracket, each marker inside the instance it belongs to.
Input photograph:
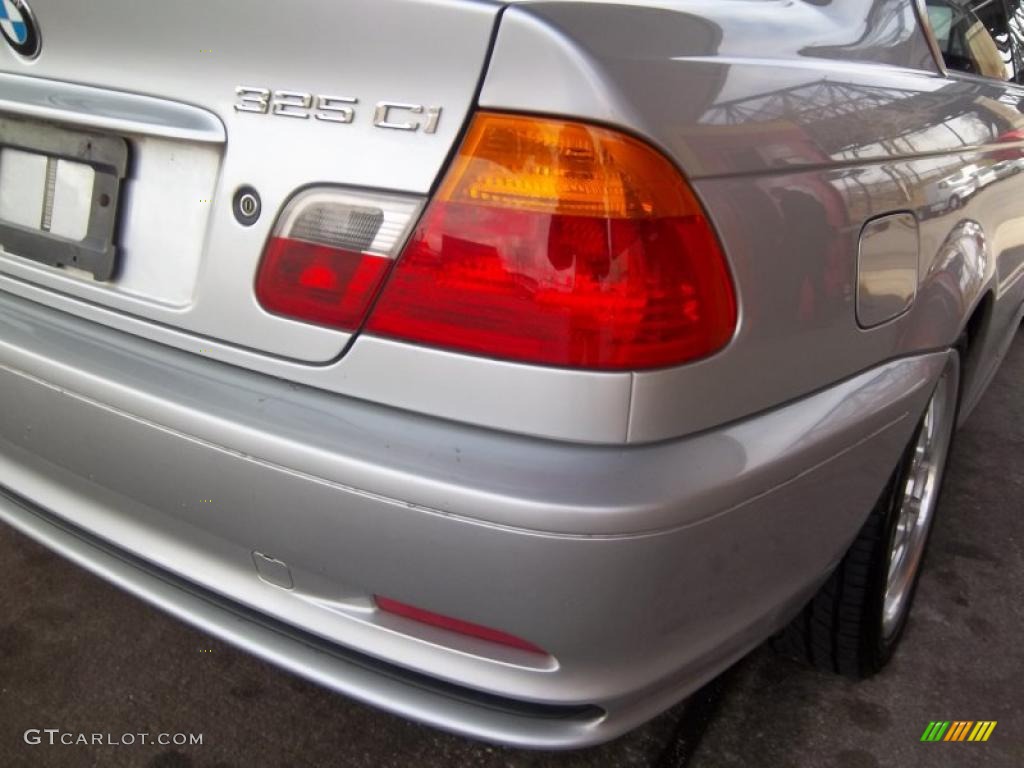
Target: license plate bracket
(107, 156)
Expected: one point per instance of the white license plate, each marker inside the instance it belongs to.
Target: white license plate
(46, 193)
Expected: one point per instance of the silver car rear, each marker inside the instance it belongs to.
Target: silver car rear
(537, 551)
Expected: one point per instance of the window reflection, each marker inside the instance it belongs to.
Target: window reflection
(977, 36)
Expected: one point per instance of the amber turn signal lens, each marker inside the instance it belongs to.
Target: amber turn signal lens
(564, 168)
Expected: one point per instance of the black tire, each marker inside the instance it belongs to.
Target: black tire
(841, 629)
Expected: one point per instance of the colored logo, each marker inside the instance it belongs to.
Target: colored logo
(959, 730)
(19, 28)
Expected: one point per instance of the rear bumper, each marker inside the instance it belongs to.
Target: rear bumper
(643, 570)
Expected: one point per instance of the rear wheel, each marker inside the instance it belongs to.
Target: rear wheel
(855, 621)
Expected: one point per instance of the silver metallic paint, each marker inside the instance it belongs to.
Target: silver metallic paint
(642, 568)
(113, 111)
(299, 656)
(342, 492)
(191, 53)
(848, 129)
(545, 402)
(887, 261)
(575, 46)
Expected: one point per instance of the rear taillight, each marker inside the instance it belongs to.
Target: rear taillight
(560, 243)
(329, 252)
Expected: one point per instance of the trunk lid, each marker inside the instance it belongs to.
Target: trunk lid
(215, 97)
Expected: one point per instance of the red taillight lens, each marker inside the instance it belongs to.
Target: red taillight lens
(559, 243)
(455, 625)
(325, 285)
(329, 253)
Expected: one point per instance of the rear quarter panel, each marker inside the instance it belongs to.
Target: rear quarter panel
(796, 123)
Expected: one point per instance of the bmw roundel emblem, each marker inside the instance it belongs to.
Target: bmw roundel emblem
(19, 28)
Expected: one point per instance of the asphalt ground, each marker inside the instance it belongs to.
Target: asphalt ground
(79, 655)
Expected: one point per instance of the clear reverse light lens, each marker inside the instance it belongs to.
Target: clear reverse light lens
(329, 253)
